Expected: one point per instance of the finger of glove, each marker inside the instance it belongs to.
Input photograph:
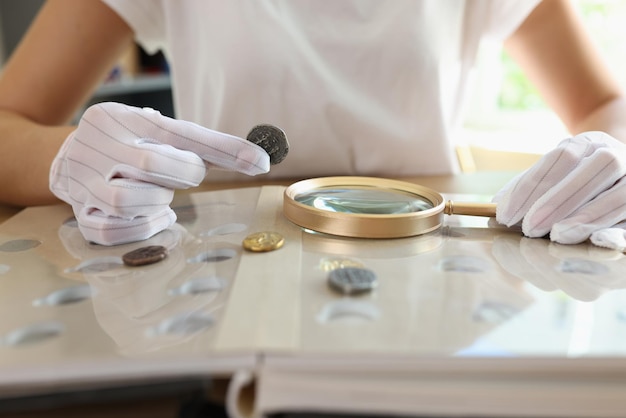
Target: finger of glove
(605, 211)
(118, 197)
(109, 230)
(58, 179)
(613, 238)
(216, 148)
(552, 168)
(136, 158)
(593, 175)
(59, 176)
(499, 196)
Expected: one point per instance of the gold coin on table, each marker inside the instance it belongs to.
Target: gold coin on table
(263, 241)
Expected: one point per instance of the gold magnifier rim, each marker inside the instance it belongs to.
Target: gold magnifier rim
(360, 225)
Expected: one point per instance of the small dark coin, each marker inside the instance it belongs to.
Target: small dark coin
(145, 255)
(272, 139)
(352, 280)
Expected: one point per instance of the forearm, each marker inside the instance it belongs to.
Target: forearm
(27, 151)
(61, 60)
(610, 117)
(556, 52)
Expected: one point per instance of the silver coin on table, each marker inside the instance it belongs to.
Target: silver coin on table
(352, 280)
(272, 139)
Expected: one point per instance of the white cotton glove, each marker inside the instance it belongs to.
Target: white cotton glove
(574, 192)
(120, 167)
(614, 238)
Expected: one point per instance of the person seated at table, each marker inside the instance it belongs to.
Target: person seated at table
(361, 87)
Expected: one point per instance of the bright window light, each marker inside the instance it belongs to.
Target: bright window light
(505, 112)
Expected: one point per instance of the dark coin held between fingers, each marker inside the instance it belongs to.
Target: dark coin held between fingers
(352, 280)
(145, 255)
(272, 139)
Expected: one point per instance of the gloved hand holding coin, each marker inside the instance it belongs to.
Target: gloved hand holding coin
(575, 192)
(119, 169)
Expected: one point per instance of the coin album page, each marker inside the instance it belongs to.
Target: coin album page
(460, 316)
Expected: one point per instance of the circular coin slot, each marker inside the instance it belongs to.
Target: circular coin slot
(213, 256)
(183, 324)
(348, 311)
(621, 315)
(227, 229)
(463, 264)
(453, 233)
(34, 333)
(65, 296)
(185, 214)
(18, 245)
(97, 265)
(580, 266)
(71, 222)
(494, 312)
(199, 285)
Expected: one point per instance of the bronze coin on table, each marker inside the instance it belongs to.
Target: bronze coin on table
(145, 255)
(263, 241)
(272, 139)
(352, 280)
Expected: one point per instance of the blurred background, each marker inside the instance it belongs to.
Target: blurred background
(138, 79)
(505, 112)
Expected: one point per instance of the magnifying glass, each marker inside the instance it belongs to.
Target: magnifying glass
(370, 207)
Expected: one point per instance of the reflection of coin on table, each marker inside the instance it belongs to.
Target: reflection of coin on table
(145, 255)
(263, 241)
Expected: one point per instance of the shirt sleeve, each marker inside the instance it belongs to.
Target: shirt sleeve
(503, 17)
(146, 18)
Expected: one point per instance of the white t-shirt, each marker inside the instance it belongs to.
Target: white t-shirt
(361, 87)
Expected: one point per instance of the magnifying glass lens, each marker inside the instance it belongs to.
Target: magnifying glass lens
(369, 207)
(362, 200)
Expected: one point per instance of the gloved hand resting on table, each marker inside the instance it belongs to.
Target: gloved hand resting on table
(120, 167)
(575, 192)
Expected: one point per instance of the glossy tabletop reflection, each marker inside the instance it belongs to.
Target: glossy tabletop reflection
(72, 312)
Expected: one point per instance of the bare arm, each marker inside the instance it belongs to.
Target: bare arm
(62, 59)
(556, 53)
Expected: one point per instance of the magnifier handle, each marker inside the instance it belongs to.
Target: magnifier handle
(470, 208)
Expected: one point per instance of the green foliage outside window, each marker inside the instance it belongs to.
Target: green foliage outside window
(605, 20)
